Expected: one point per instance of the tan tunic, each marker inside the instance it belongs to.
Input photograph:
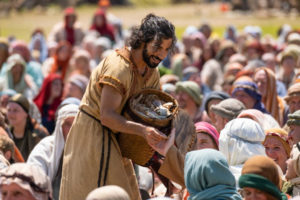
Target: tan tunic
(88, 141)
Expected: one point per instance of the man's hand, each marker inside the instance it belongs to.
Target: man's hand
(162, 146)
(153, 135)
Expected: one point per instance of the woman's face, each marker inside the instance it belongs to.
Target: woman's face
(17, 71)
(253, 194)
(260, 78)
(204, 141)
(245, 98)
(275, 150)
(66, 126)
(15, 114)
(56, 88)
(99, 21)
(63, 53)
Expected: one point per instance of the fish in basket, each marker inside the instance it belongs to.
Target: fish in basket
(150, 107)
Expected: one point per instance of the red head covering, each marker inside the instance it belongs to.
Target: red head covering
(61, 65)
(44, 94)
(70, 32)
(105, 30)
(209, 129)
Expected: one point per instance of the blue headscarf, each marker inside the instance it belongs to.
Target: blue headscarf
(44, 48)
(207, 176)
(252, 90)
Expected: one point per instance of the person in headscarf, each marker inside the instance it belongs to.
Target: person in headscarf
(278, 146)
(213, 98)
(293, 171)
(38, 45)
(189, 98)
(293, 98)
(68, 30)
(110, 192)
(60, 62)
(75, 86)
(240, 140)
(25, 130)
(207, 136)
(294, 126)
(266, 83)
(102, 44)
(266, 121)
(48, 153)
(23, 181)
(260, 179)
(33, 68)
(17, 79)
(204, 174)
(231, 33)
(247, 92)
(49, 99)
(288, 65)
(100, 24)
(80, 62)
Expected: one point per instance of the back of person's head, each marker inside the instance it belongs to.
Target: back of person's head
(207, 176)
(110, 192)
(28, 178)
(240, 139)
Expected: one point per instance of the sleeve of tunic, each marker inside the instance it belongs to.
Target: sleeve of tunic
(116, 72)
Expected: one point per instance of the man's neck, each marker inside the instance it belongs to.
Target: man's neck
(138, 61)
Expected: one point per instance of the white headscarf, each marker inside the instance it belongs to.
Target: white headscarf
(48, 152)
(109, 192)
(241, 139)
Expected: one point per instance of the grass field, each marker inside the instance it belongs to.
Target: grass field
(22, 24)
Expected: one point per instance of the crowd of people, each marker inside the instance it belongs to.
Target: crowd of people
(237, 130)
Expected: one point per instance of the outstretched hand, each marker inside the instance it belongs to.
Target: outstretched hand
(162, 146)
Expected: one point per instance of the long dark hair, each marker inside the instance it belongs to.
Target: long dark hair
(152, 28)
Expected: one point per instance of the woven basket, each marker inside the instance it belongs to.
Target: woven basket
(135, 147)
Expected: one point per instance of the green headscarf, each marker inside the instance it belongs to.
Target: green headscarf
(207, 176)
(192, 89)
(261, 183)
(8, 84)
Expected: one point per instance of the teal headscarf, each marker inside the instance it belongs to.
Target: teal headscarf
(207, 176)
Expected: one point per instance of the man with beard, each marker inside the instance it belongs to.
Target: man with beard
(92, 157)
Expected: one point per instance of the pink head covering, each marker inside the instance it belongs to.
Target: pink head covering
(209, 129)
